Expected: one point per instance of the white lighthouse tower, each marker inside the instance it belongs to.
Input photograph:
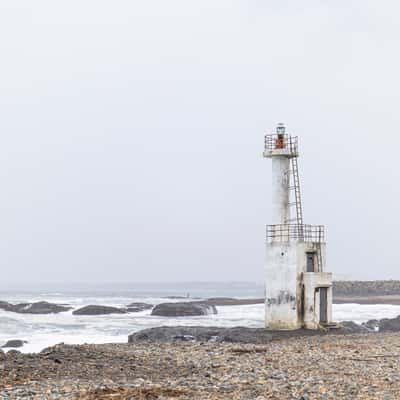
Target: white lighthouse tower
(298, 290)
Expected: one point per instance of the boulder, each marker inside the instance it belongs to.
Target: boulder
(6, 306)
(383, 325)
(245, 335)
(183, 309)
(389, 324)
(202, 334)
(372, 325)
(99, 310)
(40, 307)
(13, 353)
(352, 327)
(15, 343)
(137, 307)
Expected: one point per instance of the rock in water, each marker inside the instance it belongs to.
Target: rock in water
(16, 343)
(4, 305)
(137, 307)
(99, 310)
(40, 307)
(352, 327)
(183, 309)
(202, 334)
(372, 325)
(240, 334)
(389, 324)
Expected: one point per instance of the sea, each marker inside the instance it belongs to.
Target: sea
(41, 331)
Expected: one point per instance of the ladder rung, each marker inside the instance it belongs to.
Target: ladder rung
(294, 173)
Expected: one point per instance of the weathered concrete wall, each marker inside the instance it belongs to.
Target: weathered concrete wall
(292, 300)
(281, 308)
(312, 281)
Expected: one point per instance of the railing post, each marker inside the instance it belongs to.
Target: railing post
(286, 232)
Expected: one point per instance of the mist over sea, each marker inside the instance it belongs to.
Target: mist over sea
(45, 330)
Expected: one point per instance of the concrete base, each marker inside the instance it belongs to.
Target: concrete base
(281, 300)
(292, 298)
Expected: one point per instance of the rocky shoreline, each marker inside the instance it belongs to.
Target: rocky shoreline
(362, 366)
(366, 288)
(350, 361)
(390, 299)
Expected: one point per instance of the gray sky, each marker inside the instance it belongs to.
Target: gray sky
(132, 135)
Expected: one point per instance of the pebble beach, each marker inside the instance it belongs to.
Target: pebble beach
(362, 366)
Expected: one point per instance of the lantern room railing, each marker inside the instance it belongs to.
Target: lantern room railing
(294, 232)
(282, 142)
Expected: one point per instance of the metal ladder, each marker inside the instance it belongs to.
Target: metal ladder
(295, 186)
(299, 209)
(298, 205)
(297, 194)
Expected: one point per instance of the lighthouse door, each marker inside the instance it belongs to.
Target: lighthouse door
(323, 305)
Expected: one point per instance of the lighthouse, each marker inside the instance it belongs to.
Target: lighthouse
(297, 288)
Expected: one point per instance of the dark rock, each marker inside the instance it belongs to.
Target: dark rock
(183, 309)
(184, 338)
(137, 307)
(245, 335)
(6, 306)
(202, 334)
(389, 324)
(40, 307)
(352, 327)
(173, 333)
(372, 325)
(16, 343)
(99, 310)
(13, 354)
(2, 355)
(383, 325)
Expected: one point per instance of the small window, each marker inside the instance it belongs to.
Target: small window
(310, 262)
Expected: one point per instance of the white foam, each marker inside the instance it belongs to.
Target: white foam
(363, 312)
(46, 330)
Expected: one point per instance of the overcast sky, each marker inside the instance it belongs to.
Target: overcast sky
(132, 135)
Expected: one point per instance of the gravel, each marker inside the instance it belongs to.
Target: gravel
(352, 366)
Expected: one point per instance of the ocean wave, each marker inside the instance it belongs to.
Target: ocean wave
(45, 330)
